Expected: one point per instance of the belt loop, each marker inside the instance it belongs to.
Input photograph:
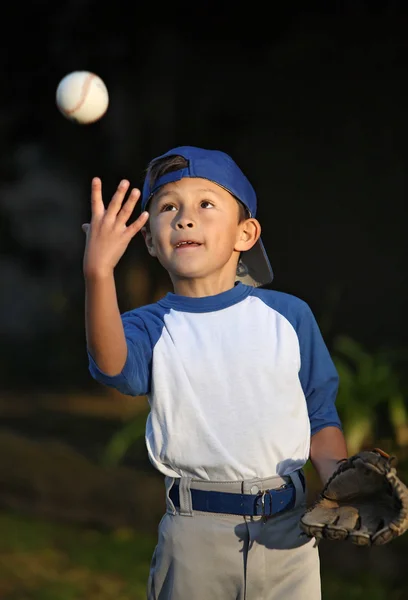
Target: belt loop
(186, 506)
(297, 478)
(169, 482)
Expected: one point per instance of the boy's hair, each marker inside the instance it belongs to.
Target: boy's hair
(167, 164)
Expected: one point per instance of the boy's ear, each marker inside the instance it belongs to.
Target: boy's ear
(249, 234)
(148, 240)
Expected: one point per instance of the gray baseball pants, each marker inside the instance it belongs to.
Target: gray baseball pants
(208, 556)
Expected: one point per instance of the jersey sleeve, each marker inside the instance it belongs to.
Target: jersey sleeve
(318, 374)
(134, 379)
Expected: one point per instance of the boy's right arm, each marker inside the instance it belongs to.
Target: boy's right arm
(107, 237)
(103, 324)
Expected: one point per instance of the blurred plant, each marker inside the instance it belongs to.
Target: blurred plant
(124, 439)
(369, 387)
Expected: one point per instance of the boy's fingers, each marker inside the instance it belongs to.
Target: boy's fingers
(97, 205)
(135, 194)
(137, 225)
(128, 207)
(117, 199)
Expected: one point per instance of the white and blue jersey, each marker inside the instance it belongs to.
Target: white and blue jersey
(237, 383)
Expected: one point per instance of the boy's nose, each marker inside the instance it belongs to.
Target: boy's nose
(184, 223)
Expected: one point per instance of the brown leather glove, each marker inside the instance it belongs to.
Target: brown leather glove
(363, 501)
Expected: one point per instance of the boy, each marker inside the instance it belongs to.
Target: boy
(240, 383)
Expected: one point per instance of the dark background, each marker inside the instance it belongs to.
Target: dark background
(311, 102)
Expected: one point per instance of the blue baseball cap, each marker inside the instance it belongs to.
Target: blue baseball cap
(218, 167)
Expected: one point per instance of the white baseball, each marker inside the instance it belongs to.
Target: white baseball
(82, 96)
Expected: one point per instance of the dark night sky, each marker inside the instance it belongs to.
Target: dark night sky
(311, 103)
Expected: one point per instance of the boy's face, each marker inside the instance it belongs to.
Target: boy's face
(194, 230)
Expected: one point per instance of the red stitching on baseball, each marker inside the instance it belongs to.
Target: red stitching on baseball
(84, 91)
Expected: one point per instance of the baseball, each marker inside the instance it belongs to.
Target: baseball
(82, 97)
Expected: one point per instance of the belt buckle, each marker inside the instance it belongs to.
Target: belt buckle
(262, 495)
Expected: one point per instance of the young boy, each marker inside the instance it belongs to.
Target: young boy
(240, 383)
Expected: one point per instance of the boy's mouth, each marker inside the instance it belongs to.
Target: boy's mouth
(187, 244)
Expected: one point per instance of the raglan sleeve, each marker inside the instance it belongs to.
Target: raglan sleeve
(135, 377)
(318, 374)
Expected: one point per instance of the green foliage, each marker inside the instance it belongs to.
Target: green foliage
(369, 386)
(124, 439)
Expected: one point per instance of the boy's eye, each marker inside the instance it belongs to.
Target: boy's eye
(206, 204)
(167, 207)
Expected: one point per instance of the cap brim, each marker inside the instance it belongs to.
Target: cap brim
(257, 266)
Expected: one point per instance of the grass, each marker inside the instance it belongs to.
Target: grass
(361, 587)
(45, 561)
(40, 560)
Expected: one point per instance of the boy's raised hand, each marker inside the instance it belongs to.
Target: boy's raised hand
(107, 235)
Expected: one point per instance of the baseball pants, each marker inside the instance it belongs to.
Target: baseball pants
(208, 556)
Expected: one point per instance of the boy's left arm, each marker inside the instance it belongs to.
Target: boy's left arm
(320, 382)
(327, 447)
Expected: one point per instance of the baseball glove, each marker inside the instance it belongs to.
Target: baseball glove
(363, 501)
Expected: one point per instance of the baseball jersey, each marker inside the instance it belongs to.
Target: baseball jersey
(237, 382)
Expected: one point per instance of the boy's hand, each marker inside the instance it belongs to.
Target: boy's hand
(107, 235)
